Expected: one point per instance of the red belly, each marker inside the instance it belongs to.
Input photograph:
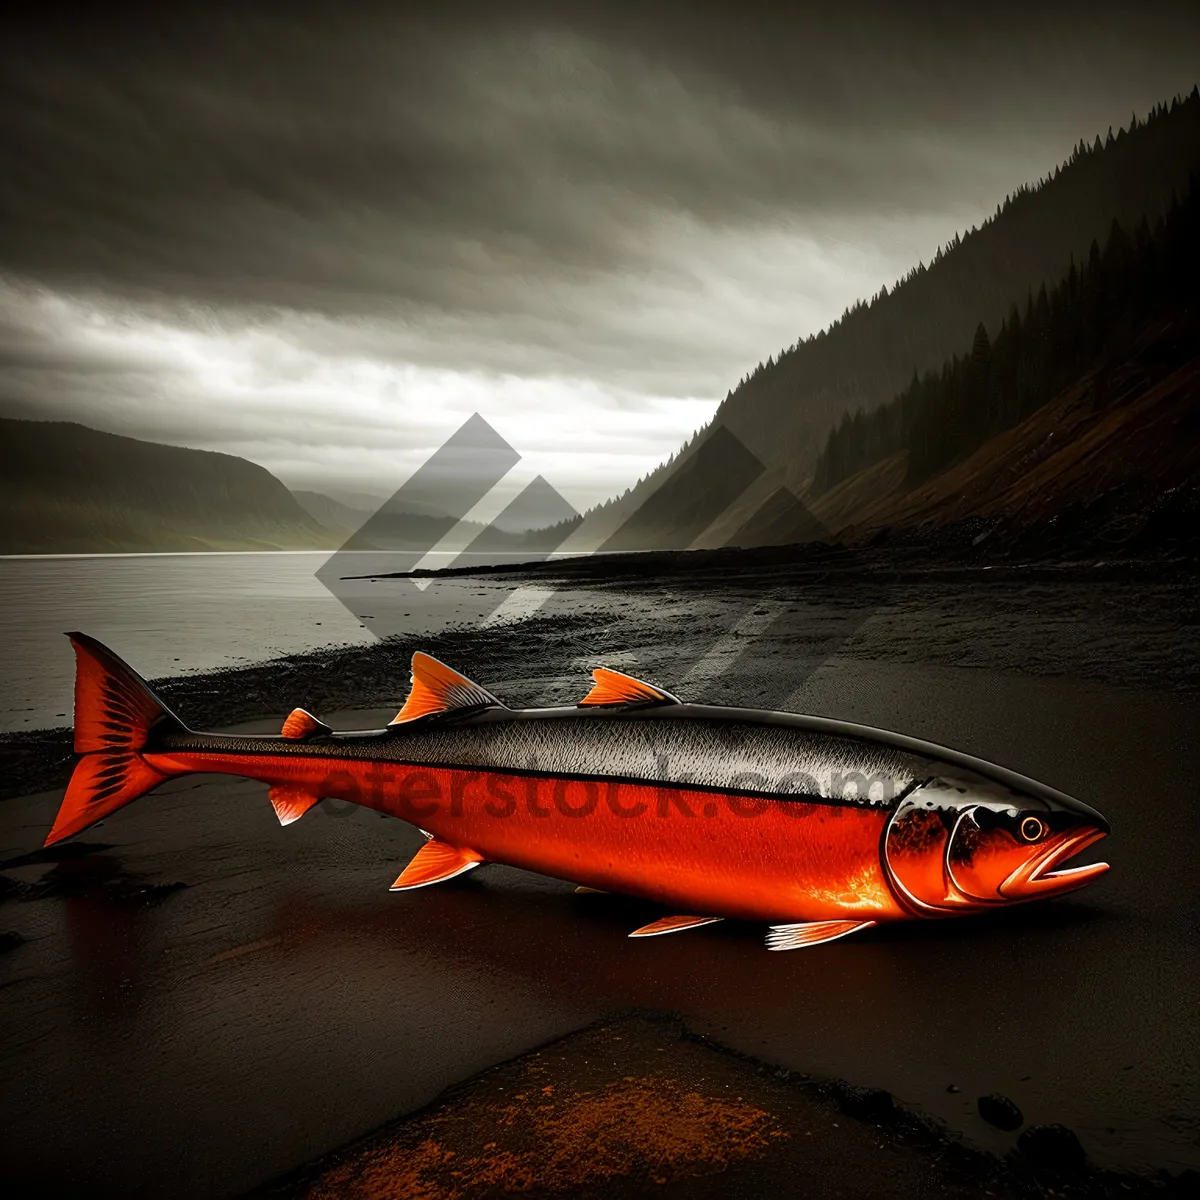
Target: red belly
(699, 852)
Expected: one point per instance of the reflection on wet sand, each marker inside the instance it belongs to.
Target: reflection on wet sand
(286, 969)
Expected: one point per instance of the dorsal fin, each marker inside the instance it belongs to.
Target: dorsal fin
(301, 723)
(611, 687)
(437, 688)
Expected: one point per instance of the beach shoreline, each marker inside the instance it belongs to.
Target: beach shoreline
(194, 903)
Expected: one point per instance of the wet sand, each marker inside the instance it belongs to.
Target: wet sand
(209, 1038)
(640, 1103)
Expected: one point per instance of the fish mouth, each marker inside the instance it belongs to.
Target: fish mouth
(1044, 874)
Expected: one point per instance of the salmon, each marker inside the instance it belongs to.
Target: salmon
(818, 828)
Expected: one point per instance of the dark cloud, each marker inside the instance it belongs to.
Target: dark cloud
(365, 158)
(643, 198)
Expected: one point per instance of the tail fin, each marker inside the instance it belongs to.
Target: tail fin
(115, 712)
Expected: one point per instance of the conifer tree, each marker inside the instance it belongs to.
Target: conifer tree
(1085, 320)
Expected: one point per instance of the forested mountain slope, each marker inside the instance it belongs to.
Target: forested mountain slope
(1110, 466)
(783, 412)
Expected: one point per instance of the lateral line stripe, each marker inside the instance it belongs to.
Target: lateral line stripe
(526, 773)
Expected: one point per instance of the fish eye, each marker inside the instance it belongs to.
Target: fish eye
(1031, 828)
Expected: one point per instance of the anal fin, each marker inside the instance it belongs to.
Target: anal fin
(435, 862)
(672, 925)
(291, 802)
(812, 933)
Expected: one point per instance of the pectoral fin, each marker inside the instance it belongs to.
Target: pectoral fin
(812, 933)
(672, 925)
(291, 802)
(435, 862)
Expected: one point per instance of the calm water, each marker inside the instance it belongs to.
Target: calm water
(170, 614)
(173, 614)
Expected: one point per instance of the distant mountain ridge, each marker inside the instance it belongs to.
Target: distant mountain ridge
(408, 529)
(783, 411)
(331, 513)
(69, 489)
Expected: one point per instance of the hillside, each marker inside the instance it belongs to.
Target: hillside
(68, 489)
(331, 513)
(1110, 466)
(784, 410)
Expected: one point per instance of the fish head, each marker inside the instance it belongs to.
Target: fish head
(963, 840)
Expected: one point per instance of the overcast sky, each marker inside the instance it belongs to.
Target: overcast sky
(324, 236)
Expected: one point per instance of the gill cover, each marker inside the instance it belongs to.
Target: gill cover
(916, 849)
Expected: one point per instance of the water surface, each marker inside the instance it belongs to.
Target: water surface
(171, 614)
